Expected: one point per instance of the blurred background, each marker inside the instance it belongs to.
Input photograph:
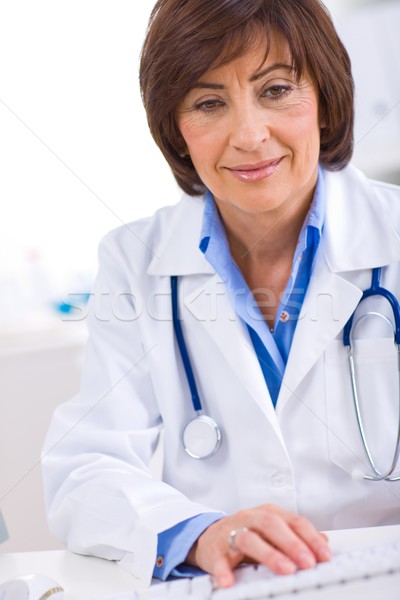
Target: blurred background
(76, 161)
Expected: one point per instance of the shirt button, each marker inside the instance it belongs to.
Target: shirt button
(279, 480)
(160, 561)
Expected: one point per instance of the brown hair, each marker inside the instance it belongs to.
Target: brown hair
(185, 38)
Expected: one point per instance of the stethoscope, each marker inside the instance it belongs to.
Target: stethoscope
(202, 436)
(374, 290)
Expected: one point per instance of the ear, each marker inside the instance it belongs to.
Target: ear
(322, 119)
(182, 148)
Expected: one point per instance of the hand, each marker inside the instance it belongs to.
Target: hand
(282, 541)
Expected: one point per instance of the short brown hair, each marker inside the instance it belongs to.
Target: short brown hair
(185, 38)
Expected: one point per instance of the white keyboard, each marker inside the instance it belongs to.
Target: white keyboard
(257, 582)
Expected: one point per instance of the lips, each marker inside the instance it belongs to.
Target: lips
(256, 171)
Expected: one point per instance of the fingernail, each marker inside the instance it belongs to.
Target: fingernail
(286, 567)
(306, 560)
(324, 553)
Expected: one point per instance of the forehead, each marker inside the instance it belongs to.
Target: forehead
(261, 53)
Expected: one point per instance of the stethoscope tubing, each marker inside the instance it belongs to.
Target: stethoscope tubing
(201, 436)
(374, 290)
(182, 346)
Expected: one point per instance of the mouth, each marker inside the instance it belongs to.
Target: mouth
(256, 171)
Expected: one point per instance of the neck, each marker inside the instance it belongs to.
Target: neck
(267, 238)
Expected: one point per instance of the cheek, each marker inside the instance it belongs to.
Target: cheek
(305, 135)
(203, 144)
(304, 115)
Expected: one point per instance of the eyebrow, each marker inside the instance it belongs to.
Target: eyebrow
(255, 77)
(261, 74)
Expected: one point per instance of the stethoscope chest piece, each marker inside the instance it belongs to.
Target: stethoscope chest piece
(201, 437)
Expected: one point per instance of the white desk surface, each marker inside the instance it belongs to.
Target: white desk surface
(87, 578)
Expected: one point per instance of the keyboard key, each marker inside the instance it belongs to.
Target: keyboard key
(202, 586)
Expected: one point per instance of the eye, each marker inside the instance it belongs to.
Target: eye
(276, 92)
(210, 105)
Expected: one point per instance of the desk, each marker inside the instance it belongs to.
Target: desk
(86, 578)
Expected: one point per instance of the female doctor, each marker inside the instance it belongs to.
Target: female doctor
(220, 320)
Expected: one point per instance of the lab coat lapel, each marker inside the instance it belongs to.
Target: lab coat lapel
(329, 303)
(209, 304)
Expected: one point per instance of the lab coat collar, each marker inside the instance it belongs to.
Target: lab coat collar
(178, 252)
(358, 230)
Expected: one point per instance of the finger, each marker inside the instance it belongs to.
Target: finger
(316, 541)
(222, 572)
(259, 550)
(274, 529)
(232, 538)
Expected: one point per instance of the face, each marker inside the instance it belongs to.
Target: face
(253, 132)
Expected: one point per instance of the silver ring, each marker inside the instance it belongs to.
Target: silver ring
(233, 534)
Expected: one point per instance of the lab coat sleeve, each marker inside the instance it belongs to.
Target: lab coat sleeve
(100, 496)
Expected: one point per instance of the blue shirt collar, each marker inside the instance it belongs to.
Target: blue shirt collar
(213, 228)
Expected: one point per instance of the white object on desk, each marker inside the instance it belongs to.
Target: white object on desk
(31, 587)
(82, 577)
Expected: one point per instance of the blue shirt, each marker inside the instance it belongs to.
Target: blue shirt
(272, 348)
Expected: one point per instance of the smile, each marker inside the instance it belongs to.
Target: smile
(255, 172)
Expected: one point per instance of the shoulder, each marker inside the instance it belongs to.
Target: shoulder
(354, 188)
(362, 221)
(135, 244)
(386, 192)
(352, 176)
(386, 196)
(356, 177)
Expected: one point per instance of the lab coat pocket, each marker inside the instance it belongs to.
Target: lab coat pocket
(377, 379)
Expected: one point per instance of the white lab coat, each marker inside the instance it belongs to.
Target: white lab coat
(101, 498)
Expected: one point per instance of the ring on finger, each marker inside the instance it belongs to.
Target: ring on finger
(233, 534)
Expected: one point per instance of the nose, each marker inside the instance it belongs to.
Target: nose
(249, 128)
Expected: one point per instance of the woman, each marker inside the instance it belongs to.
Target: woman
(251, 102)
